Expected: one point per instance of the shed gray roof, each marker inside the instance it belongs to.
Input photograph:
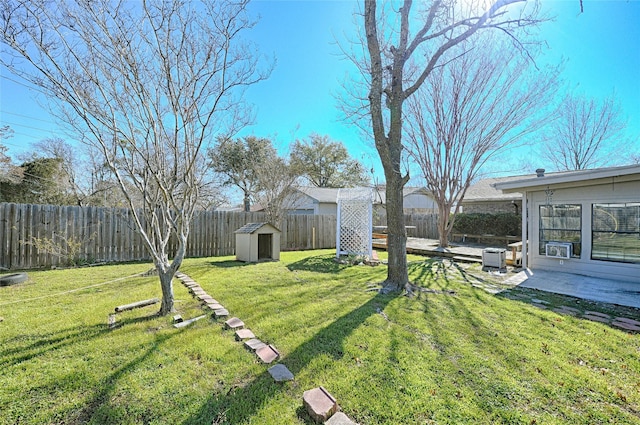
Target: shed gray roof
(253, 227)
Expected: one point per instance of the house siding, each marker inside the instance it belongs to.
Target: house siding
(586, 196)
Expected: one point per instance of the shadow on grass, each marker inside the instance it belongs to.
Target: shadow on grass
(318, 264)
(97, 408)
(47, 342)
(230, 263)
(241, 403)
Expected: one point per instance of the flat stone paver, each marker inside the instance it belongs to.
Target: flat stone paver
(339, 418)
(280, 373)
(234, 323)
(188, 322)
(254, 344)
(563, 311)
(320, 404)
(597, 313)
(569, 309)
(244, 334)
(215, 306)
(626, 326)
(627, 320)
(267, 354)
(221, 312)
(594, 318)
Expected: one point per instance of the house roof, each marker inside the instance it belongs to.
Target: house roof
(321, 194)
(330, 195)
(571, 178)
(484, 190)
(253, 227)
(381, 194)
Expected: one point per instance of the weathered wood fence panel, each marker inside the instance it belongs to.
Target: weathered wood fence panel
(109, 234)
(426, 225)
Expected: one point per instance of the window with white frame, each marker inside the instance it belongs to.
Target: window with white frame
(616, 232)
(561, 223)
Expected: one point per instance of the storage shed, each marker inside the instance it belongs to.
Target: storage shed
(257, 242)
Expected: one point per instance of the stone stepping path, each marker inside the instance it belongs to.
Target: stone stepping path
(280, 373)
(265, 352)
(254, 344)
(243, 334)
(268, 354)
(595, 316)
(623, 323)
(339, 418)
(234, 323)
(321, 405)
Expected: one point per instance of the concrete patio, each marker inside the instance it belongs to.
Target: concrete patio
(586, 287)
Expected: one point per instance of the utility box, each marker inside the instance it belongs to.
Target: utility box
(494, 257)
(257, 242)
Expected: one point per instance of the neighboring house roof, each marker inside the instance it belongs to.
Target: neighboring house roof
(381, 194)
(485, 191)
(330, 195)
(571, 178)
(321, 194)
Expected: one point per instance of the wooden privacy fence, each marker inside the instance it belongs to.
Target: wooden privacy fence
(426, 225)
(31, 234)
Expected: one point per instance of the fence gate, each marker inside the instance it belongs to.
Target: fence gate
(355, 221)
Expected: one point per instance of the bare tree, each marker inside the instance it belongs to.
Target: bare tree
(148, 84)
(403, 46)
(9, 172)
(467, 112)
(276, 180)
(586, 133)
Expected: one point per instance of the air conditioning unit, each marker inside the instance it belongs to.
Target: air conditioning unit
(558, 249)
(494, 257)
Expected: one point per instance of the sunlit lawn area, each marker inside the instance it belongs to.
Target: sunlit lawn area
(467, 358)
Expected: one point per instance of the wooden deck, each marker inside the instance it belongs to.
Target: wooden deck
(429, 247)
(469, 253)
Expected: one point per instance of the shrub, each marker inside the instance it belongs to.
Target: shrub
(501, 224)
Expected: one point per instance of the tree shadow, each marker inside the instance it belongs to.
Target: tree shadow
(318, 264)
(52, 341)
(240, 403)
(45, 343)
(95, 409)
(230, 264)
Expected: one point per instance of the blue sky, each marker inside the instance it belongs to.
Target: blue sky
(601, 47)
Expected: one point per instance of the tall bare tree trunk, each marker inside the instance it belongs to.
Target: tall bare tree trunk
(443, 225)
(166, 283)
(397, 276)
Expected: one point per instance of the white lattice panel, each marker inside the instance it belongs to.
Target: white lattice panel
(354, 221)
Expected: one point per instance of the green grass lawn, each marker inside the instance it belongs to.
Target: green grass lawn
(468, 358)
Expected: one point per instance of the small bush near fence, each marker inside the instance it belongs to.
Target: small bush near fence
(502, 224)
